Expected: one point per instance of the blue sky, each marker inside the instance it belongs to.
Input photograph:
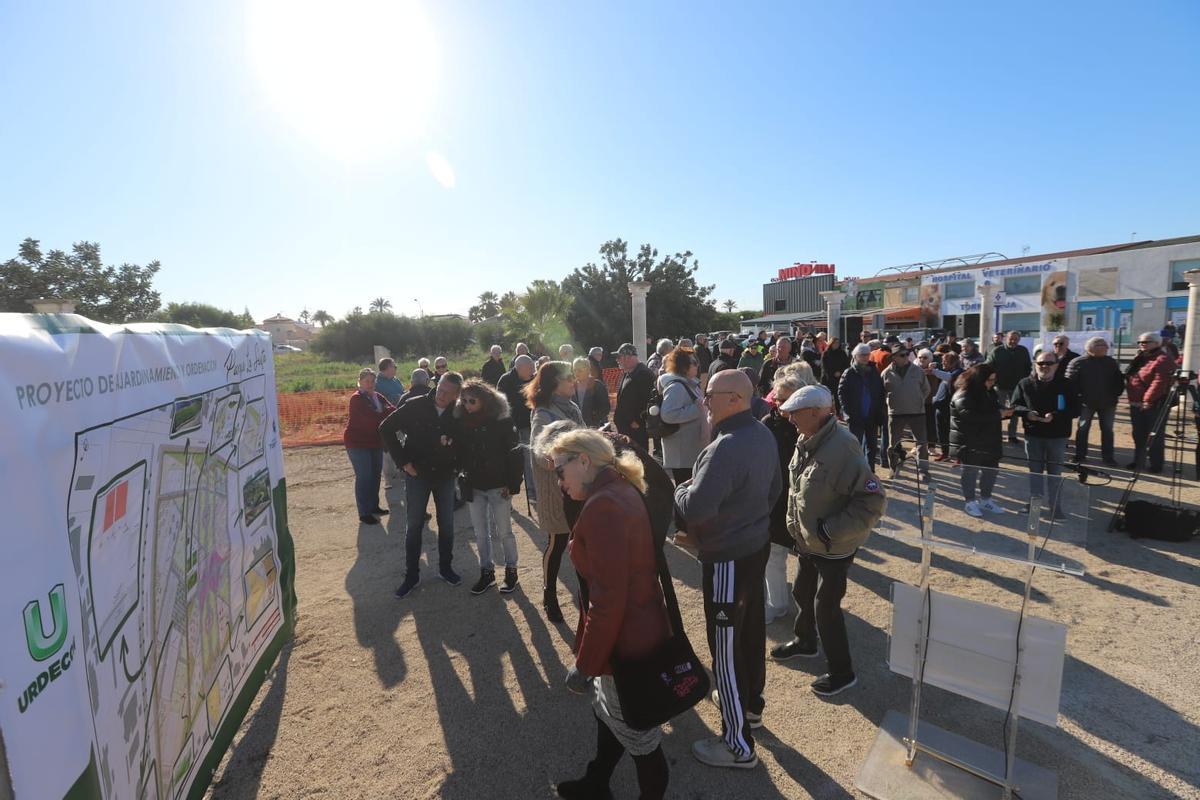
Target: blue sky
(755, 135)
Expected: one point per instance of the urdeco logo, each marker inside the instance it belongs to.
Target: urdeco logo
(46, 644)
(43, 645)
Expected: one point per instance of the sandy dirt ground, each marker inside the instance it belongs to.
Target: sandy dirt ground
(449, 695)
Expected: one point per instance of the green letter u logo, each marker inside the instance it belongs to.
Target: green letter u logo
(42, 645)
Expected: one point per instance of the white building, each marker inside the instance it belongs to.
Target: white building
(1123, 288)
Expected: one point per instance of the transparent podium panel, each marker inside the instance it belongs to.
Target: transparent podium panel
(998, 525)
(971, 650)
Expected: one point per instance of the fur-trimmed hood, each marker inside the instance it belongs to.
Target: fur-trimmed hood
(495, 404)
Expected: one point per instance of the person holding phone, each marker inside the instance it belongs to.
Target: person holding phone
(1045, 403)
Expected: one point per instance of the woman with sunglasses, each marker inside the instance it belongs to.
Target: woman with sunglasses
(625, 615)
(549, 396)
(976, 435)
(492, 466)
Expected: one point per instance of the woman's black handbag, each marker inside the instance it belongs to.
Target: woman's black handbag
(664, 683)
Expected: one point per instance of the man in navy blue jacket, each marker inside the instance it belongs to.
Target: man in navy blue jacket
(861, 394)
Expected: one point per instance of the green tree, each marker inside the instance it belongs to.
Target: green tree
(727, 322)
(381, 304)
(322, 317)
(538, 316)
(352, 339)
(304, 316)
(103, 293)
(730, 306)
(202, 315)
(489, 306)
(675, 306)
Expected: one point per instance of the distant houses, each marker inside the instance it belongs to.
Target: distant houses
(284, 330)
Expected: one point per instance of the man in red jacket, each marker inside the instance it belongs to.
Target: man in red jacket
(1148, 380)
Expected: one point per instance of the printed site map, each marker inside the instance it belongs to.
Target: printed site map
(173, 536)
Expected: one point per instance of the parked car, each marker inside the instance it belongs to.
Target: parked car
(287, 348)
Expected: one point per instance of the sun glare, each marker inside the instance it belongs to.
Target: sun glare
(357, 76)
(440, 168)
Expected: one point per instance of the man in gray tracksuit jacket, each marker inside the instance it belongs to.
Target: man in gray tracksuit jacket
(725, 509)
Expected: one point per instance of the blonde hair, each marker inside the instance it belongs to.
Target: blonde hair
(601, 453)
(581, 364)
(800, 370)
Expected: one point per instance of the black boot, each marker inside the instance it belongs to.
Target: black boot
(652, 774)
(550, 606)
(487, 579)
(594, 784)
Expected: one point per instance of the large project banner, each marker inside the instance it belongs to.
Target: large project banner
(147, 582)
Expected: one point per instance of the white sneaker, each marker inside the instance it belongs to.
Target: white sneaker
(987, 504)
(716, 753)
(973, 508)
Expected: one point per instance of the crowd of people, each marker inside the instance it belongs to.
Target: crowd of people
(753, 451)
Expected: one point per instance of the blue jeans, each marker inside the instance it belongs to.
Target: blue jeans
(530, 490)
(492, 514)
(1107, 417)
(368, 467)
(1045, 456)
(417, 491)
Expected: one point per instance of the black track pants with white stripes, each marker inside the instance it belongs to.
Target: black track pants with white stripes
(735, 617)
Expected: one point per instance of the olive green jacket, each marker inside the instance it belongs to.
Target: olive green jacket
(835, 499)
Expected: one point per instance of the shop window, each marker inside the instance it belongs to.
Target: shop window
(1027, 324)
(1023, 284)
(1177, 270)
(958, 290)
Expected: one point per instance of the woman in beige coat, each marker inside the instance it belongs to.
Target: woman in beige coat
(549, 395)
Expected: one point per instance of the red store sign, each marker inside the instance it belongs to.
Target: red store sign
(798, 270)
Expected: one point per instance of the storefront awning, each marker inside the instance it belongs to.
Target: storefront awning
(895, 314)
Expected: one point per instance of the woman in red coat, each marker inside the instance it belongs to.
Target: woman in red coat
(625, 616)
(364, 447)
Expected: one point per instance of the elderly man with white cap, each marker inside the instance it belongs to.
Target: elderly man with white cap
(834, 503)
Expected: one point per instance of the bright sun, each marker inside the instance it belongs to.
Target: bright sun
(357, 76)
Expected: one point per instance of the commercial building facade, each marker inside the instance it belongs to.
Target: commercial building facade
(1120, 288)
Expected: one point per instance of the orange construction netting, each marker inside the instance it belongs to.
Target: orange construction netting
(316, 418)
(313, 418)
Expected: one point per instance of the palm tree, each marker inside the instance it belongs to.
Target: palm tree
(355, 312)
(304, 316)
(538, 316)
(381, 304)
(321, 317)
(730, 305)
(489, 306)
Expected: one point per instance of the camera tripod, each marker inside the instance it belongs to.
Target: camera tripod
(1181, 389)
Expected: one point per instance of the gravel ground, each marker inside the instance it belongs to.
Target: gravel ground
(449, 695)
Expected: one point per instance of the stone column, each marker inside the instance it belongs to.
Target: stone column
(987, 315)
(638, 290)
(833, 314)
(1191, 336)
